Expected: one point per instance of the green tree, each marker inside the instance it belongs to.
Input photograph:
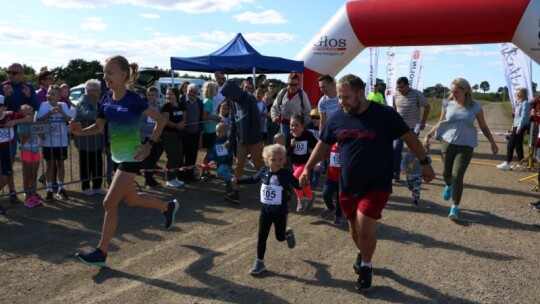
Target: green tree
(77, 71)
(475, 87)
(484, 85)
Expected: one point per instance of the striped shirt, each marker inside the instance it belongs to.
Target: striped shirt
(408, 106)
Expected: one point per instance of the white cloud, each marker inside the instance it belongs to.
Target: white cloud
(218, 36)
(265, 17)
(93, 24)
(187, 6)
(26, 18)
(255, 39)
(150, 16)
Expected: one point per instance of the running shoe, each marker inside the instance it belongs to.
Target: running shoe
(537, 208)
(258, 267)
(289, 236)
(325, 213)
(13, 196)
(301, 207)
(338, 220)
(152, 184)
(100, 191)
(170, 214)
(310, 202)
(233, 197)
(364, 279)
(518, 168)
(454, 213)
(447, 193)
(415, 203)
(356, 265)
(50, 196)
(95, 257)
(61, 194)
(504, 166)
(534, 204)
(32, 202)
(88, 192)
(173, 183)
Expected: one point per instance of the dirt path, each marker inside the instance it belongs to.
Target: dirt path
(490, 256)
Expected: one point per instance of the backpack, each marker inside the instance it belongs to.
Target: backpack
(282, 94)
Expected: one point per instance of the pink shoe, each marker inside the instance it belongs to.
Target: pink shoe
(33, 202)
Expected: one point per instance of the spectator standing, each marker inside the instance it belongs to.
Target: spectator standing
(45, 79)
(210, 118)
(376, 96)
(64, 97)
(408, 103)
(519, 126)
(174, 112)
(148, 124)
(290, 101)
(90, 147)
(329, 102)
(220, 80)
(192, 131)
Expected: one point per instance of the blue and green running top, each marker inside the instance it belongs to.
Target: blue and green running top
(123, 118)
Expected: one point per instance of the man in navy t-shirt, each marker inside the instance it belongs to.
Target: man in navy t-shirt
(364, 132)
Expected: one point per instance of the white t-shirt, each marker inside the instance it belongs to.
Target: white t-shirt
(58, 134)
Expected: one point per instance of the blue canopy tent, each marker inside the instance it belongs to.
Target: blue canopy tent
(237, 57)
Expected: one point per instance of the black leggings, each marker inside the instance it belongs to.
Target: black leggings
(515, 142)
(279, 219)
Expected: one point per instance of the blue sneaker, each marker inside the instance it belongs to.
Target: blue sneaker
(447, 193)
(170, 214)
(454, 213)
(95, 257)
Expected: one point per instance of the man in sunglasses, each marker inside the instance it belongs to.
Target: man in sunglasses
(16, 93)
(290, 101)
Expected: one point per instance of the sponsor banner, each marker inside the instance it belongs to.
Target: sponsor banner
(414, 68)
(391, 75)
(373, 64)
(516, 70)
(527, 34)
(333, 47)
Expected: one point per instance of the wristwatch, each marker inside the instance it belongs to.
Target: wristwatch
(151, 142)
(426, 161)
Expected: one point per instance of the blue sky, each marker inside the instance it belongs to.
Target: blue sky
(51, 32)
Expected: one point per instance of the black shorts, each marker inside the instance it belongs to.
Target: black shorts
(5, 161)
(208, 140)
(131, 167)
(55, 153)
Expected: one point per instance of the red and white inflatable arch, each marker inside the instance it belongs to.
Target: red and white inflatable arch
(366, 23)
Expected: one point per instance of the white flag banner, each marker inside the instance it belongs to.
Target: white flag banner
(391, 75)
(517, 71)
(414, 69)
(373, 64)
(420, 85)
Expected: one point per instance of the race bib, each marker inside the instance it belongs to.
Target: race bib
(56, 128)
(301, 147)
(221, 150)
(334, 160)
(271, 195)
(6, 134)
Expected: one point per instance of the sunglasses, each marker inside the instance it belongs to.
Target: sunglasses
(315, 117)
(292, 84)
(13, 73)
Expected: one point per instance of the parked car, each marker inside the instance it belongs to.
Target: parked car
(164, 83)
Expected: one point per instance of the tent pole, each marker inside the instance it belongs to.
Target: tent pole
(172, 78)
(254, 80)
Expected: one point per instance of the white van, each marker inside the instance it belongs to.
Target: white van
(164, 83)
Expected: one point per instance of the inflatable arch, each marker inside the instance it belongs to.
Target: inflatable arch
(367, 23)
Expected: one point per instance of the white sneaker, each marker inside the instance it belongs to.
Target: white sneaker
(173, 183)
(249, 164)
(100, 191)
(518, 168)
(504, 166)
(88, 192)
(179, 182)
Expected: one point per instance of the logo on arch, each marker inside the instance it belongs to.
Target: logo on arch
(416, 55)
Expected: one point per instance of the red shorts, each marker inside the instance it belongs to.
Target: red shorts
(30, 157)
(370, 205)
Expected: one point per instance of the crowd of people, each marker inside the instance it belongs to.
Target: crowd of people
(289, 143)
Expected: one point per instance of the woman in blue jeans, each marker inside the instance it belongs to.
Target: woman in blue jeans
(458, 137)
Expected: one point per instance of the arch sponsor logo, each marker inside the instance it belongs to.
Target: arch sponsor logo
(330, 46)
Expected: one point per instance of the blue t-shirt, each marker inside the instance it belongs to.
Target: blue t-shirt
(123, 117)
(209, 126)
(365, 146)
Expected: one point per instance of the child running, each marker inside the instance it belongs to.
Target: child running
(331, 187)
(274, 209)
(302, 142)
(410, 165)
(223, 156)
